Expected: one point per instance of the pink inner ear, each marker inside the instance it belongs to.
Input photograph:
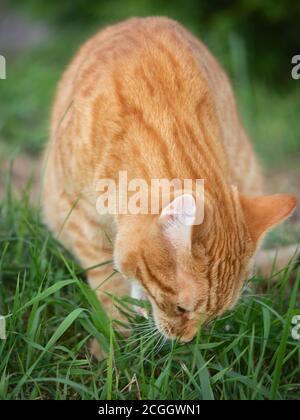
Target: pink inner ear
(177, 220)
(182, 208)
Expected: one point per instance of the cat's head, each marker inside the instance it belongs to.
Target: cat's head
(193, 273)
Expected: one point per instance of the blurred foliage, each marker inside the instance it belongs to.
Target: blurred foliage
(28, 91)
(270, 28)
(270, 111)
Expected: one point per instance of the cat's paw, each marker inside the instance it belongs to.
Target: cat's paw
(96, 351)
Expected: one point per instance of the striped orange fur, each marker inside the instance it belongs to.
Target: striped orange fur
(145, 96)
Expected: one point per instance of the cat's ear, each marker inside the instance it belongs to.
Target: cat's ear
(265, 212)
(177, 220)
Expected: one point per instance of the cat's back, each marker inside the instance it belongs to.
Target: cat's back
(148, 54)
(143, 83)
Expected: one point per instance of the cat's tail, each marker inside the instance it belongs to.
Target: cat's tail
(270, 262)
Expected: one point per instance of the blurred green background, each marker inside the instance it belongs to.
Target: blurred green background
(254, 40)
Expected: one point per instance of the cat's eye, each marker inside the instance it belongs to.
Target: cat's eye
(180, 309)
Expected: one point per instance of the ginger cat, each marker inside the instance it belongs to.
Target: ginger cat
(145, 96)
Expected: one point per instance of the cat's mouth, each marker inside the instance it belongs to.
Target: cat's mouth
(179, 328)
(184, 336)
(183, 332)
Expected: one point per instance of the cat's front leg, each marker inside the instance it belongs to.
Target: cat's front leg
(86, 241)
(104, 286)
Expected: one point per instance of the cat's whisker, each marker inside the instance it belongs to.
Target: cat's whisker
(164, 340)
(157, 345)
(139, 326)
(142, 329)
(150, 352)
(149, 336)
(130, 341)
(145, 333)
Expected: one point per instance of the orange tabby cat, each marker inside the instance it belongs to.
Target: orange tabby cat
(145, 96)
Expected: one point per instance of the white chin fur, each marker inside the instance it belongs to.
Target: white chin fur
(138, 293)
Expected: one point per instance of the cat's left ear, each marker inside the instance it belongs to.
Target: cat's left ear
(265, 212)
(177, 220)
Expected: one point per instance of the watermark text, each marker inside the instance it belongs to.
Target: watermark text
(296, 67)
(2, 67)
(138, 196)
(296, 328)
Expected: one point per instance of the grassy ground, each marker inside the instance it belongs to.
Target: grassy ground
(51, 314)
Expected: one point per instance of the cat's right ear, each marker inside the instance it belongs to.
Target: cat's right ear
(265, 212)
(177, 219)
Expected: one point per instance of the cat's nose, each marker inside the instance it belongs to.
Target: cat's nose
(185, 307)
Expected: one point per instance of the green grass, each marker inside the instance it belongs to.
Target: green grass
(51, 315)
(28, 91)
